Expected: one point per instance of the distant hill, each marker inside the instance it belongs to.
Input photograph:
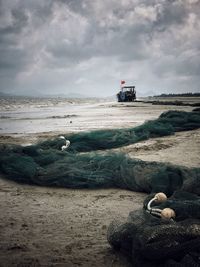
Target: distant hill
(2, 94)
(179, 95)
(146, 94)
(36, 95)
(70, 95)
(75, 95)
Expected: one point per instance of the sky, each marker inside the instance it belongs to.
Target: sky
(88, 46)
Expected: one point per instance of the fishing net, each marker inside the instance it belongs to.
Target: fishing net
(52, 167)
(168, 123)
(152, 241)
(45, 163)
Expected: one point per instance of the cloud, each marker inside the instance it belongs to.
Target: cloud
(89, 46)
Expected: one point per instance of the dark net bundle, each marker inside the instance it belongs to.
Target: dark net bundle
(168, 123)
(152, 241)
(52, 167)
(45, 163)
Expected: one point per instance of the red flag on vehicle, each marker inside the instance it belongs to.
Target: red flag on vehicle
(122, 82)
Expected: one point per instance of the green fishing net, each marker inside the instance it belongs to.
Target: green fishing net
(151, 241)
(168, 123)
(45, 163)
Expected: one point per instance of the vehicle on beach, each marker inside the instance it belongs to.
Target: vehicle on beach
(126, 94)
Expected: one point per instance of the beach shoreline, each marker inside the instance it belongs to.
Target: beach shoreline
(42, 226)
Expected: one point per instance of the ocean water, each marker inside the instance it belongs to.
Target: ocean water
(38, 115)
(43, 115)
(35, 115)
(23, 116)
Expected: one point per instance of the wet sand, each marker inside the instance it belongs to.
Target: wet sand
(61, 227)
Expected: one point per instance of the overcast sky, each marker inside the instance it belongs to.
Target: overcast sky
(88, 46)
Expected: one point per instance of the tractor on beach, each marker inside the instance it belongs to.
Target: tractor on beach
(126, 94)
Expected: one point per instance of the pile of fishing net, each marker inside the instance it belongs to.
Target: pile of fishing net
(55, 168)
(164, 234)
(168, 123)
(46, 164)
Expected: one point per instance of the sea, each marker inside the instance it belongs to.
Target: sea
(31, 115)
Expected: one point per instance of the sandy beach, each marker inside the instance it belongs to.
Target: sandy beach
(61, 227)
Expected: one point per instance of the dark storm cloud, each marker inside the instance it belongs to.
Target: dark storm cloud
(171, 13)
(55, 44)
(19, 20)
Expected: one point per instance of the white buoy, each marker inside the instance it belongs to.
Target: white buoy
(63, 148)
(67, 144)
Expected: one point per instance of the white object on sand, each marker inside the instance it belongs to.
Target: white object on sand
(63, 148)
